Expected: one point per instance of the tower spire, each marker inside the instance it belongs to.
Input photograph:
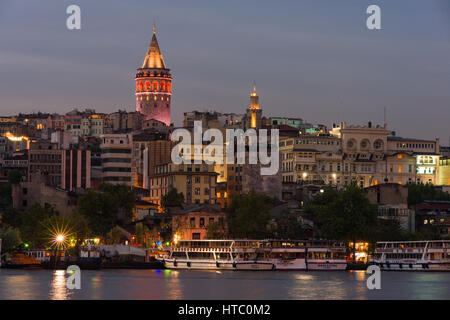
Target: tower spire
(154, 58)
(254, 99)
(254, 89)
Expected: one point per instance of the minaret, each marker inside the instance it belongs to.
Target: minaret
(154, 85)
(254, 112)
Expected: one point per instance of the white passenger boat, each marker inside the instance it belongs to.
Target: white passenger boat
(326, 255)
(257, 255)
(215, 255)
(413, 255)
(286, 255)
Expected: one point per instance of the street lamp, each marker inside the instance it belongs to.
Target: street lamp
(60, 238)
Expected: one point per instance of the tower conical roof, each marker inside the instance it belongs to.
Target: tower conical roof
(254, 98)
(153, 58)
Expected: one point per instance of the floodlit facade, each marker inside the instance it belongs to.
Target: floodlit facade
(366, 155)
(197, 182)
(154, 85)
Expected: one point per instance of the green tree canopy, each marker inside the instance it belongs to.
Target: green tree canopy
(115, 234)
(100, 210)
(250, 215)
(12, 217)
(217, 230)
(344, 215)
(172, 199)
(417, 193)
(10, 239)
(32, 227)
(14, 176)
(124, 194)
(288, 226)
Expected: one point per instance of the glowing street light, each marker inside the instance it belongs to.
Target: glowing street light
(176, 238)
(60, 238)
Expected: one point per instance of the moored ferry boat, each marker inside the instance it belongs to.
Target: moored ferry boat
(257, 255)
(202, 254)
(326, 255)
(413, 255)
(286, 255)
(216, 255)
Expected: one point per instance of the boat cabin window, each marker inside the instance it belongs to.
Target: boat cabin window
(181, 255)
(223, 256)
(201, 256)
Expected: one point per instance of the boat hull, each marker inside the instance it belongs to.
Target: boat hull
(198, 265)
(297, 264)
(326, 265)
(255, 266)
(417, 266)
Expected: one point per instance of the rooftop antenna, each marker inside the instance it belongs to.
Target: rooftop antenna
(385, 123)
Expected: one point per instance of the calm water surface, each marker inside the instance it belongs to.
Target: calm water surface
(166, 284)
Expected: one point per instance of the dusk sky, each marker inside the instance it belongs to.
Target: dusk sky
(310, 59)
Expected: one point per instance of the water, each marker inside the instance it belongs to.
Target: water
(204, 285)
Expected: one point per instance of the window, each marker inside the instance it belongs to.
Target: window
(378, 145)
(195, 236)
(192, 222)
(202, 222)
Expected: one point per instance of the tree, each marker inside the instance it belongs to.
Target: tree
(417, 193)
(5, 195)
(345, 215)
(14, 176)
(141, 233)
(12, 217)
(124, 195)
(217, 230)
(115, 234)
(288, 226)
(32, 226)
(100, 209)
(172, 199)
(10, 239)
(250, 216)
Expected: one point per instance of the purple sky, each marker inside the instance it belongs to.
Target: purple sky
(310, 59)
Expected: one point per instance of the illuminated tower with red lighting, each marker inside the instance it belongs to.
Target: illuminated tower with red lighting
(154, 85)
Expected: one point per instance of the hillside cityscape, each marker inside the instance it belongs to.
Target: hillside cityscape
(108, 178)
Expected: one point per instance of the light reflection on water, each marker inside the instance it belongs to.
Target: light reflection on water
(185, 284)
(58, 290)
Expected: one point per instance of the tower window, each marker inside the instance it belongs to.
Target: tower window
(156, 105)
(167, 105)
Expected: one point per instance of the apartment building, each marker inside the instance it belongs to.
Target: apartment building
(116, 158)
(197, 182)
(68, 169)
